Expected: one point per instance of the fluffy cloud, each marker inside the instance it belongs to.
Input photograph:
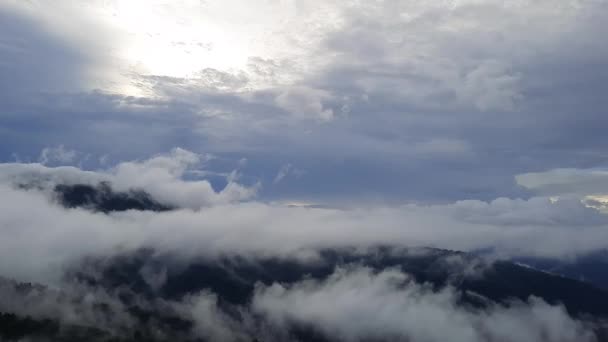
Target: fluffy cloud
(209, 320)
(73, 304)
(161, 176)
(57, 154)
(358, 305)
(387, 305)
(353, 303)
(209, 223)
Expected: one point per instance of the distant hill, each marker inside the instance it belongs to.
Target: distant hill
(104, 199)
(591, 268)
(234, 280)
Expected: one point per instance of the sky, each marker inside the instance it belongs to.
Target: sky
(275, 128)
(319, 101)
(471, 112)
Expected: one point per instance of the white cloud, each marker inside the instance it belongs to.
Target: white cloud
(424, 71)
(283, 172)
(39, 239)
(357, 305)
(305, 103)
(73, 304)
(161, 176)
(211, 223)
(209, 320)
(56, 155)
(354, 303)
(566, 181)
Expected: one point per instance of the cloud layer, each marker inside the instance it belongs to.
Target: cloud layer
(358, 305)
(208, 222)
(354, 303)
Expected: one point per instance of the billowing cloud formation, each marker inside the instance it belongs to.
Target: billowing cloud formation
(358, 305)
(71, 305)
(353, 303)
(210, 321)
(204, 224)
(57, 154)
(208, 223)
(161, 176)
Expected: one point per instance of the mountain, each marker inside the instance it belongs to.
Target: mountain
(591, 268)
(235, 280)
(103, 198)
(327, 294)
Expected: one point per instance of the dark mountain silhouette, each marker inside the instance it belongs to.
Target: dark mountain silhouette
(235, 277)
(591, 268)
(102, 198)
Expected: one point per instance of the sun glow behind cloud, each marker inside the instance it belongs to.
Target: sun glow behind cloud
(178, 45)
(181, 39)
(163, 39)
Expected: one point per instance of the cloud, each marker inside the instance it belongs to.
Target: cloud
(283, 172)
(489, 87)
(435, 104)
(432, 92)
(210, 321)
(352, 303)
(357, 304)
(160, 176)
(57, 154)
(541, 211)
(440, 148)
(207, 223)
(23, 42)
(305, 103)
(72, 304)
(565, 181)
(80, 306)
(74, 60)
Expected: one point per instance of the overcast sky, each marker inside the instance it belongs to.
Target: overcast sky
(320, 101)
(425, 115)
